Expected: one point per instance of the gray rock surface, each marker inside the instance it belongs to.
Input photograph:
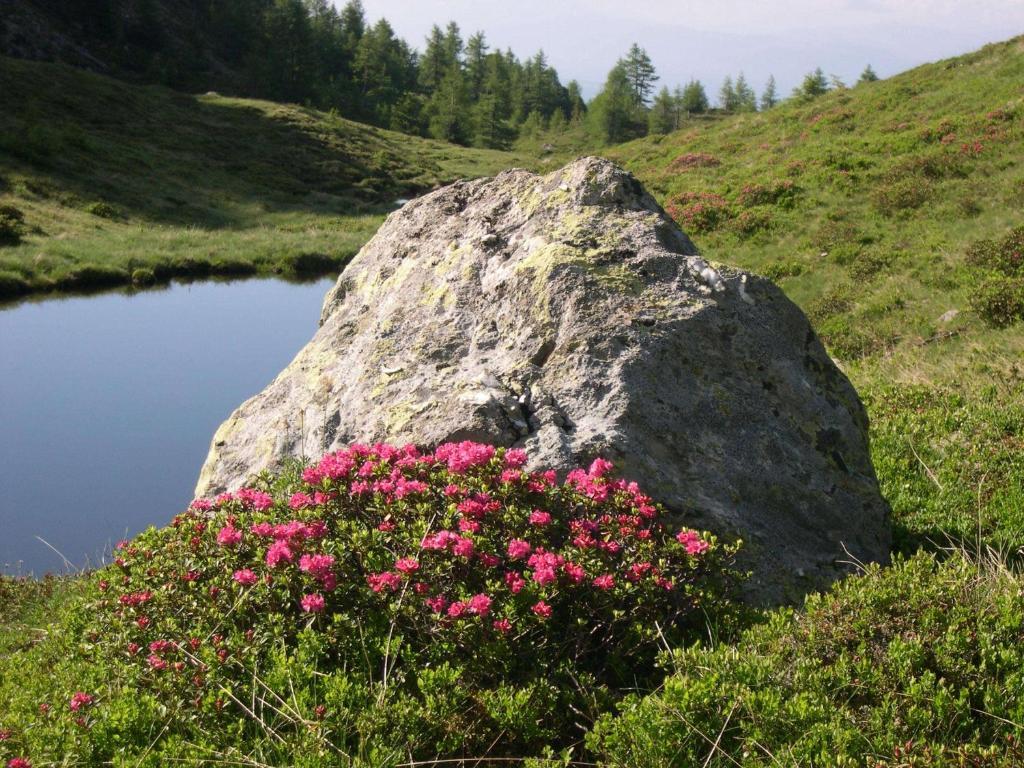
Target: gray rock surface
(569, 315)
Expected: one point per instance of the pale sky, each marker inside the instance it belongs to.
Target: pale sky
(708, 40)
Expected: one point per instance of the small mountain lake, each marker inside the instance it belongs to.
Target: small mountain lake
(108, 404)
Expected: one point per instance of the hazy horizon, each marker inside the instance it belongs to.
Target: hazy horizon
(688, 40)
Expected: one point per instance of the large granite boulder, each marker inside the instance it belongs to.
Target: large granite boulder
(569, 315)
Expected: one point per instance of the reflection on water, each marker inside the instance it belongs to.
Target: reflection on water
(108, 403)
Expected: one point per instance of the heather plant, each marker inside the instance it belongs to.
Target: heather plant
(388, 602)
(699, 211)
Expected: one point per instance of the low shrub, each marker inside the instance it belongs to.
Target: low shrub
(699, 211)
(752, 221)
(381, 606)
(86, 276)
(916, 665)
(999, 301)
(102, 210)
(1005, 255)
(694, 160)
(143, 276)
(780, 193)
(898, 196)
(310, 263)
(13, 284)
(777, 270)
(12, 225)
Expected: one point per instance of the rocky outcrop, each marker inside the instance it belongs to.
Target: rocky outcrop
(569, 315)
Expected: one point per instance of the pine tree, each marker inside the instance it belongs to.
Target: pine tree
(662, 117)
(641, 74)
(476, 54)
(867, 76)
(449, 107)
(814, 84)
(746, 99)
(769, 97)
(434, 62)
(695, 99)
(353, 24)
(612, 112)
(577, 106)
(727, 98)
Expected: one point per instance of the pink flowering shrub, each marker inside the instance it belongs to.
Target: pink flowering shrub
(699, 211)
(394, 561)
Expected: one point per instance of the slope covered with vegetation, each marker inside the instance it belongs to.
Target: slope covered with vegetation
(890, 212)
(866, 204)
(105, 183)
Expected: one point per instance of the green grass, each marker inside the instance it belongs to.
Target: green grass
(892, 182)
(877, 238)
(118, 183)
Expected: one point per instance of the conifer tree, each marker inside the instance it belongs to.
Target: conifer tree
(694, 98)
(727, 98)
(746, 99)
(769, 97)
(662, 117)
(641, 74)
(867, 76)
(814, 84)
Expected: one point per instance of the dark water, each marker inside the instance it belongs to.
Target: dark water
(108, 404)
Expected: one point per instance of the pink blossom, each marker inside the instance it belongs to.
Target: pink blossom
(5, 734)
(264, 530)
(469, 526)
(405, 487)
(515, 458)
(155, 662)
(694, 544)
(451, 490)
(277, 553)
(574, 572)
(229, 536)
(19, 762)
(600, 467)
(456, 610)
(316, 565)
(480, 605)
(201, 505)
(509, 476)
(489, 560)
(518, 549)
(637, 571)
(80, 699)
(407, 565)
(319, 497)
(386, 525)
(514, 582)
(313, 603)
(502, 625)
(463, 547)
(462, 456)
(254, 499)
(386, 580)
(421, 588)
(542, 609)
(437, 603)
(539, 517)
(300, 501)
(605, 581)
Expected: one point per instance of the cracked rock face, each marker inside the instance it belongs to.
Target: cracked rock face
(569, 315)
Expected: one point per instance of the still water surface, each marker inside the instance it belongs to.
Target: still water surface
(108, 404)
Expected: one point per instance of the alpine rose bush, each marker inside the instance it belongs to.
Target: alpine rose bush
(396, 562)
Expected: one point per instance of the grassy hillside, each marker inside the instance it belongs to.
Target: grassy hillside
(864, 204)
(887, 211)
(112, 183)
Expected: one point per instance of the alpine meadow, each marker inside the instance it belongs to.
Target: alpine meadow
(648, 423)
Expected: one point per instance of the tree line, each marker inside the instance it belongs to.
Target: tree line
(628, 107)
(460, 90)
